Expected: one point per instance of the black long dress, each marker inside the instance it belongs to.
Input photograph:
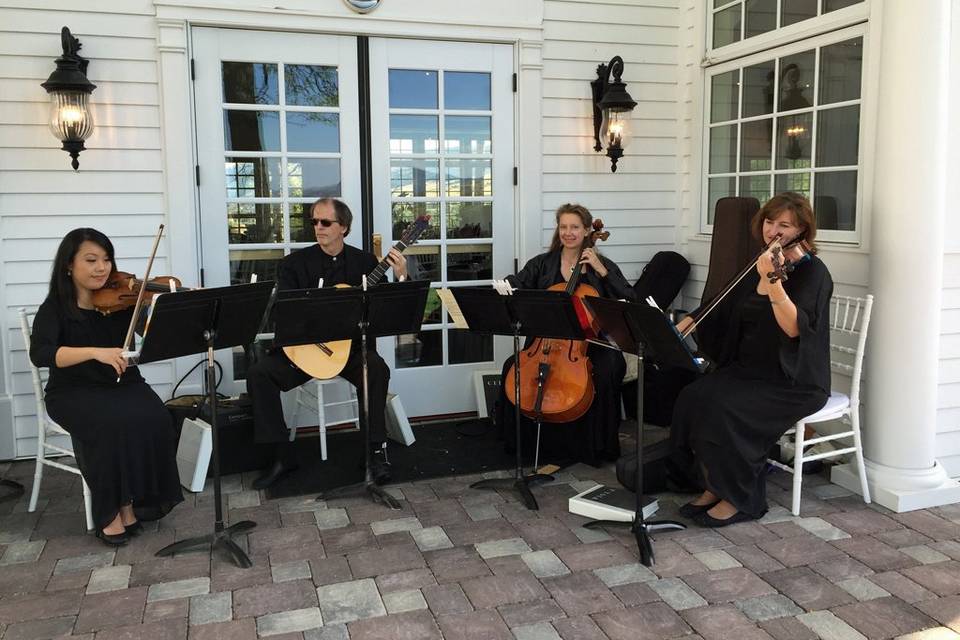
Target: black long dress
(122, 432)
(593, 438)
(725, 423)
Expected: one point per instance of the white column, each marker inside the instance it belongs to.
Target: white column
(907, 221)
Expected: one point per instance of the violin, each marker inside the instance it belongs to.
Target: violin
(122, 290)
(556, 376)
(787, 257)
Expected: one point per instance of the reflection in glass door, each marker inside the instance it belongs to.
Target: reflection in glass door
(276, 129)
(443, 146)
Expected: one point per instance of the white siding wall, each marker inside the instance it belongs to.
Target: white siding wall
(638, 202)
(948, 405)
(119, 188)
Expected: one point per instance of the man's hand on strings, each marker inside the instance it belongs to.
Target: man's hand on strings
(398, 262)
(590, 257)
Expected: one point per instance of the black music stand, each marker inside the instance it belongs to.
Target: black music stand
(529, 312)
(190, 322)
(640, 328)
(388, 309)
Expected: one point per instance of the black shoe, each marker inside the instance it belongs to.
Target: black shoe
(134, 529)
(379, 467)
(272, 473)
(113, 539)
(691, 510)
(706, 520)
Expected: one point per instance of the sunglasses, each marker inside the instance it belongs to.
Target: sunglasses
(321, 221)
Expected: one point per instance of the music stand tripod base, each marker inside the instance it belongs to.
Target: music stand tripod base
(221, 538)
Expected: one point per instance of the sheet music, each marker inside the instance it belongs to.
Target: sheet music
(446, 297)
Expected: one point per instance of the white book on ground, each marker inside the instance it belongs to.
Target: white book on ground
(610, 503)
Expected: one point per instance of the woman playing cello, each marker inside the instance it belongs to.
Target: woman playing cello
(122, 432)
(771, 344)
(592, 438)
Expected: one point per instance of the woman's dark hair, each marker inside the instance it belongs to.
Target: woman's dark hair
(62, 288)
(576, 209)
(796, 204)
(340, 210)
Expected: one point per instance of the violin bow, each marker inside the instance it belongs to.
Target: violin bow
(143, 289)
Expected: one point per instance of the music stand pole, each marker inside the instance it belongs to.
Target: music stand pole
(222, 537)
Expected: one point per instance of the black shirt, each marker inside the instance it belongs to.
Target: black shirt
(53, 328)
(303, 269)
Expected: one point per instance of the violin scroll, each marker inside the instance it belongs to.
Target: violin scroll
(786, 258)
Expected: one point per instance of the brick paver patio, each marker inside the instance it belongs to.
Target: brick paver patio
(458, 563)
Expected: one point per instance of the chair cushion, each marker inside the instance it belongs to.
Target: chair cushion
(836, 406)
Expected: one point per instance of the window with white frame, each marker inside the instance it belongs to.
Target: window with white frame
(743, 19)
(789, 119)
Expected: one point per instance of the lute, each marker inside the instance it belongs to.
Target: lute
(327, 359)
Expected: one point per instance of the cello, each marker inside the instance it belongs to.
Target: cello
(556, 376)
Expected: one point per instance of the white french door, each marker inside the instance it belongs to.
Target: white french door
(277, 118)
(442, 137)
(277, 122)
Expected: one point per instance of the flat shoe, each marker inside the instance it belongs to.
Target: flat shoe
(706, 520)
(113, 539)
(134, 529)
(690, 510)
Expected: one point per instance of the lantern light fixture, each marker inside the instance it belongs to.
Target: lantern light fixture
(70, 119)
(611, 109)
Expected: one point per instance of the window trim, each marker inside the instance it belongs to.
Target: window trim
(865, 164)
(778, 37)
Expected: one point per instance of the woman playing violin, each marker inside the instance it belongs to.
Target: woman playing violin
(593, 437)
(771, 344)
(123, 434)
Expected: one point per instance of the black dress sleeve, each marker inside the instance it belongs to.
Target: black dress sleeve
(45, 335)
(530, 276)
(615, 283)
(806, 358)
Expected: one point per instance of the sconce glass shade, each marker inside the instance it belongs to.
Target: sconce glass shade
(70, 119)
(615, 128)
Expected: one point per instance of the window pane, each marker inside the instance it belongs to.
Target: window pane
(313, 177)
(794, 134)
(723, 148)
(838, 136)
(253, 177)
(250, 83)
(796, 81)
(726, 26)
(318, 132)
(251, 130)
(466, 134)
(422, 349)
(724, 94)
(756, 146)
(833, 5)
(469, 219)
(467, 346)
(462, 90)
(423, 261)
(840, 71)
(259, 222)
(414, 178)
(794, 11)
(718, 188)
(404, 213)
(300, 228)
(469, 178)
(761, 17)
(311, 86)
(796, 182)
(758, 89)
(836, 200)
(414, 134)
(470, 262)
(263, 262)
(755, 187)
(413, 89)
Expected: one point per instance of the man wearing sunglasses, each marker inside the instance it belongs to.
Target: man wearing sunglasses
(335, 262)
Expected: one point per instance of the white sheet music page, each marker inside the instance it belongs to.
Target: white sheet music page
(450, 303)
